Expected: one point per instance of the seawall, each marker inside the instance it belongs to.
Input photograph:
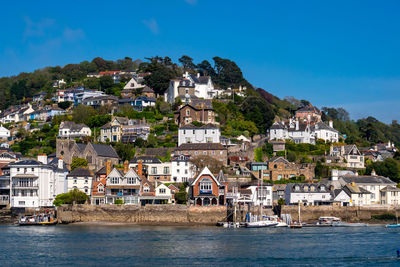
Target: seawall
(350, 214)
(151, 214)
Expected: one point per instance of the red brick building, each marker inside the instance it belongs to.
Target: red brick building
(208, 190)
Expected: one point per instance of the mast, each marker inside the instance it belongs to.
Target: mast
(298, 204)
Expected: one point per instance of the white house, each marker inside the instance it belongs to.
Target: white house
(303, 132)
(181, 168)
(348, 154)
(165, 193)
(373, 184)
(261, 195)
(326, 132)
(69, 129)
(36, 183)
(4, 133)
(194, 85)
(205, 134)
(307, 194)
(81, 179)
(134, 83)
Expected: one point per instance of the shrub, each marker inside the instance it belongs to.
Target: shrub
(384, 217)
(118, 202)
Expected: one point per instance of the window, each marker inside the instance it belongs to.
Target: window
(177, 170)
(205, 186)
(86, 189)
(86, 181)
(162, 190)
(297, 188)
(177, 164)
(166, 170)
(186, 171)
(75, 181)
(131, 180)
(187, 112)
(204, 152)
(100, 188)
(114, 180)
(323, 196)
(17, 169)
(305, 188)
(21, 203)
(322, 187)
(153, 170)
(33, 169)
(146, 189)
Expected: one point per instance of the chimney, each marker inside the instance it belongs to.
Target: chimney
(309, 117)
(342, 150)
(42, 158)
(297, 125)
(140, 168)
(373, 173)
(126, 166)
(60, 163)
(335, 175)
(108, 167)
(198, 75)
(331, 124)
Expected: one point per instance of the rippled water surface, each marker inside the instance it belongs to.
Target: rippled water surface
(158, 245)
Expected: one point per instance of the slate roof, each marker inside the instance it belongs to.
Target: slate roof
(201, 103)
(25, 162)
(221, 177)
(323, 126)
(72, 125)
(308, 109)
(105, 150)
(201, 146)
(277, 126)
(102, 170)
(355, 189)
(292, 186)
(347, 148)
(367, 180)
(206, 126)
(145, 159)
(390, 189)
(80, 171)
(201, 79)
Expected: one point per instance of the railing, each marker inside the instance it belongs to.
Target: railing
(25, 186)
(4, 199)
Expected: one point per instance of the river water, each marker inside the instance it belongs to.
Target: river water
(127, 245)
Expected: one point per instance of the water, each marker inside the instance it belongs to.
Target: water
(95, 245)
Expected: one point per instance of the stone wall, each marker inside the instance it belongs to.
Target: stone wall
(157, 214)
(350, 214)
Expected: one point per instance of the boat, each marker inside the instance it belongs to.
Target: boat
(297, 224)
(40, 219)
(276, 219)
(261, 224)
(327, 221)
(397, 221)
(347, 224)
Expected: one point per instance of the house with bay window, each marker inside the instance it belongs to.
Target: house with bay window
(123, 185)
(155, 169)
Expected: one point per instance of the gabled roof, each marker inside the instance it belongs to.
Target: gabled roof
(205, 171)
(221, 177)
(355, 189)
(105, 150)
(322, 126)
(279, 159)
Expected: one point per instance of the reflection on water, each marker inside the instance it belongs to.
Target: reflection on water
(152, 245)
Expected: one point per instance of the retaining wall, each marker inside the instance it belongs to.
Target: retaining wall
(158, 214)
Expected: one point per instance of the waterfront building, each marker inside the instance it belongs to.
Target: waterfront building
(155, 169)
(81, 178)
(181, 168)
(207, 190)
(212, 150)
(36, 183)
(307, 194)
(123, 184)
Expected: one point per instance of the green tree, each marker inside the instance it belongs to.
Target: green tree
(187, 63)
(82, 113)
(72, 197)
(257, 110)
(258, 154)
(125, 151)
(78, 162)
(106, 82)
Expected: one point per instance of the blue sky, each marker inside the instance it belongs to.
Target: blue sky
(333, 53)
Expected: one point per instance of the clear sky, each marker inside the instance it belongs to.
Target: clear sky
(332, 53)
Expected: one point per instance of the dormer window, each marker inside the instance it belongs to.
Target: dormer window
(146, 189)
(305, 188)
(131, 180)
(312, 188)
(322, 188)
(297, 188)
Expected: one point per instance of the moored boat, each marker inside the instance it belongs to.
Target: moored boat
(347, 224)
(392, 225)
(260, 224)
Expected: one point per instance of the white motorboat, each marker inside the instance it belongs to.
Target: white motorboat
(261, 224)
(276, 219)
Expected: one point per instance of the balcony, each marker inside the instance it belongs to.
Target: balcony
(4, 199)
(18, 186)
